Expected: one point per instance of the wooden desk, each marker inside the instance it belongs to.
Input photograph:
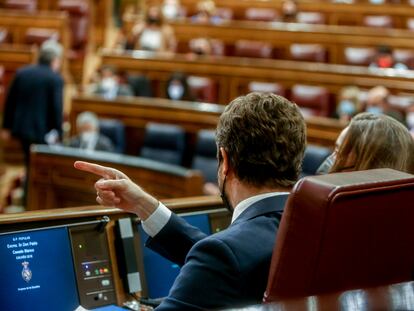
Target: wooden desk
(136, 112)
(218, 216)
(232, 74)
(282, 35)
(54, 182)
(336, 13)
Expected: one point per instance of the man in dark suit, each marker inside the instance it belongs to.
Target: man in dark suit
(33, 105)
(261, 140)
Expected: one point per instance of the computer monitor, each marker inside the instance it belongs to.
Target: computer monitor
(161, 273)
(36, 271)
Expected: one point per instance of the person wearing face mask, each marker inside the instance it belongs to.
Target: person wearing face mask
(385, 59)
(152, 34)
(171, 9)
(177, 87)
(349, 103)
(377, 103)
(109, 86)
(89, 138)
(261, 141)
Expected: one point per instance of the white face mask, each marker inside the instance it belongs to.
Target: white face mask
(375, 110)
(410, 120)
(108, 83)
(176, 91)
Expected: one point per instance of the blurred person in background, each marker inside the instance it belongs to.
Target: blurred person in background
(109, 84)
(88, 136)
(206, 13)
(171, 9)
(349, 103)
(152, 34)
(378, 103)
(385, 59)
(177, 87)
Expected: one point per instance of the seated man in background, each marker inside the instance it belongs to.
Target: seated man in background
(261, 141)
(109, 84)
(89, 138)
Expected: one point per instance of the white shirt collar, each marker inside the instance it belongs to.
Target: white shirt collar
(243, 205)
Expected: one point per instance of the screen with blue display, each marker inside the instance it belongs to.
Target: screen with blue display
(160, 273)
(36, 271)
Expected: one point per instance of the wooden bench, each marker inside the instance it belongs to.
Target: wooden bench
(232, 74)
(281, 35)
(336, 13)
(54, 182)
(136, 112)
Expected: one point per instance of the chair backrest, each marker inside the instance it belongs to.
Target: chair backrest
(308, 52)
(344, 231)
(314, 156)
(267, 87)
(37, 36)
(381, 21)
(164, 143)
(115, 131)
(313, 100)
(78, 11)
(261, 14)
(249, 48)
(205, 155)
(203, 89)
(25, 5)
(4, 35)
(404, 56)
(311, 18)
(361, 56)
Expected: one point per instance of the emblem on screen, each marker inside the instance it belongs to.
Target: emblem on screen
(26, 272)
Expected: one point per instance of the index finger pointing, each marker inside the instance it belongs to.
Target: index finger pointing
(96, 169)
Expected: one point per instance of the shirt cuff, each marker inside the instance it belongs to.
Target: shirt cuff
(157, 220)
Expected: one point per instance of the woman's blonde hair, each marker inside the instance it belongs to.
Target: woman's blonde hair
(375, 141)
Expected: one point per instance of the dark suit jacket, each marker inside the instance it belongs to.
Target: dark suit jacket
(226, 269)
(102, 144)
(34, 103)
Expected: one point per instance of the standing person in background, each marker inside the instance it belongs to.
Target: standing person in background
(34, 104)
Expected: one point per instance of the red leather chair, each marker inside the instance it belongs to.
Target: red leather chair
(78, 11)
(405, 57)
(311, 18)
(248, 48)
(380, 21)
(308, 52)
(313, 100)
(38, 35)
(25, 5)
(203, 89)
(267, 87)
(361, 56)
(344, 231)
(261, 14)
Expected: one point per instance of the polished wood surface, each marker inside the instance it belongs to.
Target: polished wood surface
(232, 74)
(282, 35)
(336, 13)
(136, 112)
(395, 297)
(54, 182)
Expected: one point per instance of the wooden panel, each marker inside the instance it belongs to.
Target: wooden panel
(282, 35)
(336, 13)
(54, 182)
(233, 74)
(136, 112)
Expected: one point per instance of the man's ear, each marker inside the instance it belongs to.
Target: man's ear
(225, 161)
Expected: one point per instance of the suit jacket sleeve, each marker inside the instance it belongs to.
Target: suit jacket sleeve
(10, 104)
(209, 279)
(175, 240)
(56, 105)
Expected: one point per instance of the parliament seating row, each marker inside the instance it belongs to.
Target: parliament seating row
(232, 75)
(53, 180)
(333, 41)
(335, 13)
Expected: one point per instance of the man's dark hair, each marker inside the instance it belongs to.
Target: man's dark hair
(264, 136)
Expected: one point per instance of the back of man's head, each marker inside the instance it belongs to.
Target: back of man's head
(264, 136)
(50, 51)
